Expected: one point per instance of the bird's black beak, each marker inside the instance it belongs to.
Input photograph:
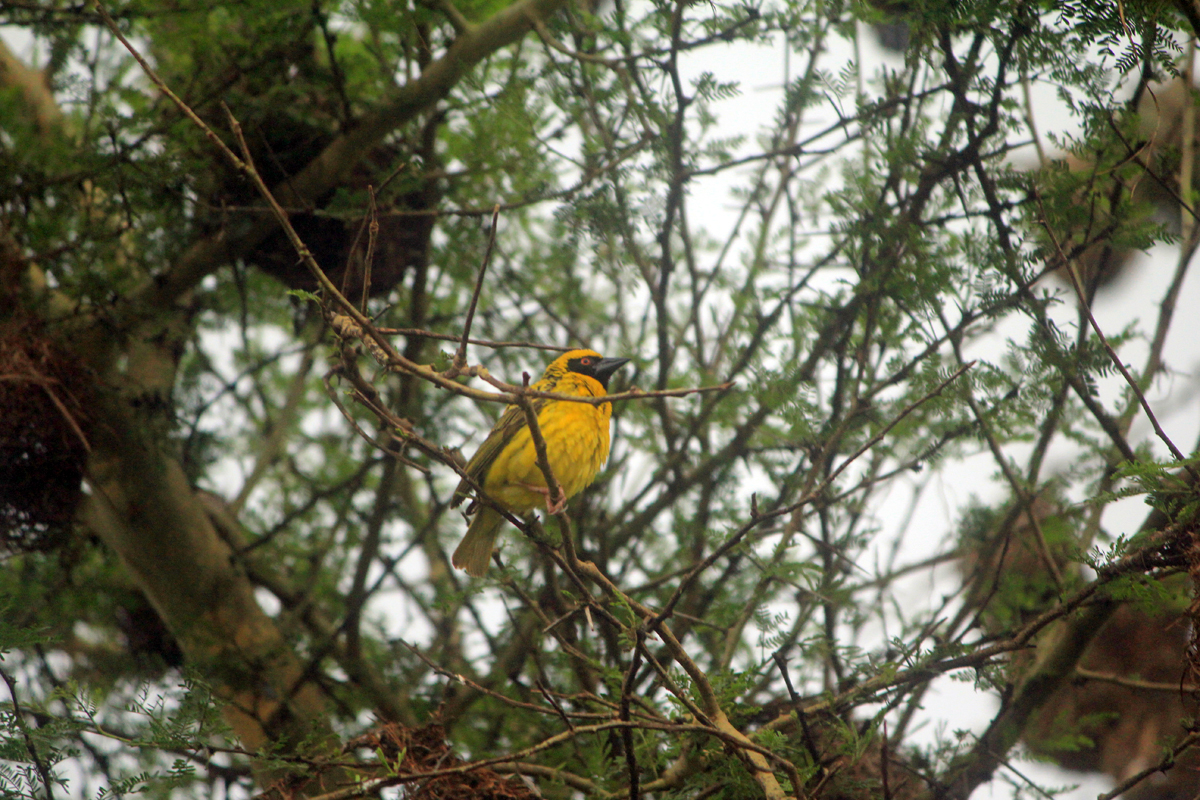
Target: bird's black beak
(605, 367)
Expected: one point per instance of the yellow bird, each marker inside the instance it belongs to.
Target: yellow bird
(506, 467)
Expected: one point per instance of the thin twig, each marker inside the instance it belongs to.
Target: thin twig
(371, 787)
(369, 260)
(460, 356)
(756, 758)
(1145, 558)
(627, 688)
(453, 337)
(797, 703)
(937, 390)
(38, 762)
(1187, 139)
(65, 412)
(1133, 683)
(1025, 498)
(1165, 764)
(557, 706)
(808, 497)
(359, 327)
(539, 446)
(631, 394)
(1112, 354)
(553, 711)
(162, 87)
(382, 348)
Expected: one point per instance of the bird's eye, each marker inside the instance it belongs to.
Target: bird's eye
(587, 362)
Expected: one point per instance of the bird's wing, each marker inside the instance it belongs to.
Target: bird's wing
(511, 421)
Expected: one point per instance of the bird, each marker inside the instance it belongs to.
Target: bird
(505, 465)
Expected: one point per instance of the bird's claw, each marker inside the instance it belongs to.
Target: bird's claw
(553, 505)
(557, 505)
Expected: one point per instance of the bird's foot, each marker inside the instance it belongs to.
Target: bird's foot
(557, 505)
(553, 505)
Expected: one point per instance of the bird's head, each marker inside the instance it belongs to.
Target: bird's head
(584, 362)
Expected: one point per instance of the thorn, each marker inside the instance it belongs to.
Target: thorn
(525, 379)
(754, 506)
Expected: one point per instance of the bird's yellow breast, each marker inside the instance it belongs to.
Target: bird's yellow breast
(577, 442)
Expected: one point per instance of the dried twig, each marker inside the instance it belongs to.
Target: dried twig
(460, 356)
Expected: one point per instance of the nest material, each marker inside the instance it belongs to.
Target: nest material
(282, 145)
(43, 440)
(424, 749)
(339, 247)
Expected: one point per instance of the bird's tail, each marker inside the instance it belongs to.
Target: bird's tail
(475, 550)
